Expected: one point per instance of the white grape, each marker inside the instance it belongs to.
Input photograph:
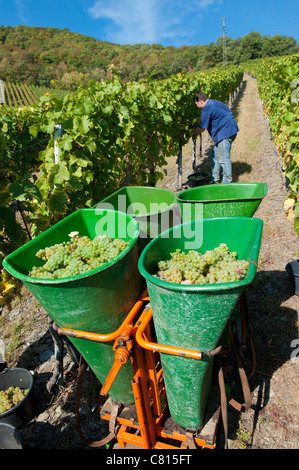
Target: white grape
(214, 266)
(76, 256)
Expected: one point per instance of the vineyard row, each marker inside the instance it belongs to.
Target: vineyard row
(278, 86)
(113, 133)
(21, 94)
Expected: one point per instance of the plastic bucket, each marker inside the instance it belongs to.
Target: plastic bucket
(23, 412)
(151, 207)
(97, 301)
(198, 179)
(221, 200)
(191, 316)
(10, 437)
(292, 269)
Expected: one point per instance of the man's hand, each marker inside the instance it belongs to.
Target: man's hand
(197, 130)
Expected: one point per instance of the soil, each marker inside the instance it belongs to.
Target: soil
(272, 422)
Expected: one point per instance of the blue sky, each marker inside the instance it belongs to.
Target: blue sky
(167, 22)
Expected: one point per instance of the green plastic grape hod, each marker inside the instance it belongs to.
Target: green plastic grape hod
(97, 301)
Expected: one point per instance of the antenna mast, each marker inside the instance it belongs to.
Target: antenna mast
(224, 40)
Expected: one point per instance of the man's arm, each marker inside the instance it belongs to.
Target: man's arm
(197, 130)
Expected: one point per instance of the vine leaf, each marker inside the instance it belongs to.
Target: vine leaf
(58, 202)
(59, 174)
(24, 190)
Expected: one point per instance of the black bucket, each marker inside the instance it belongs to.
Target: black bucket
(23, 412)
(292, 269)
(10, 437)
(198, 179)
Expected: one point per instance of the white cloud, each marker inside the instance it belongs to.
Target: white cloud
(133, 21)
(21, 9)
(150, 21)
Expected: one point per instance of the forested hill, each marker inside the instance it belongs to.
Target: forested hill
(59, 58)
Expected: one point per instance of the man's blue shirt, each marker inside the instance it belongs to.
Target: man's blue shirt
(218, 119)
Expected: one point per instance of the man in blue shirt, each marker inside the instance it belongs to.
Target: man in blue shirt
(218, 119)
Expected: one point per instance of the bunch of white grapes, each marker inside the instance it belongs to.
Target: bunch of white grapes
(11, 397)
(76, 256)
(214, 266)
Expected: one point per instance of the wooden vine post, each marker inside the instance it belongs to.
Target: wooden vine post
(194, 166)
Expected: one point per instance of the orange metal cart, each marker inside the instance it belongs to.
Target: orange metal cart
(147, 424)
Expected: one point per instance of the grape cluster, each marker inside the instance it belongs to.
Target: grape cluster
(214, 266)
(76, 256)
(11, 397)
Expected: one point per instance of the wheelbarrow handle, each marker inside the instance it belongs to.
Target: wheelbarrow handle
(104, 338)
(162, 348)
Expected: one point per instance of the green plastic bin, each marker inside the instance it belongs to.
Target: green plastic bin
(151, 207)
(194, 317)
(221, 200)
(97, 301)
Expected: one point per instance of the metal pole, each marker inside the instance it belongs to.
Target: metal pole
(224, 40)
(57, 133)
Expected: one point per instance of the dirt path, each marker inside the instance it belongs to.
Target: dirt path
(273, 420)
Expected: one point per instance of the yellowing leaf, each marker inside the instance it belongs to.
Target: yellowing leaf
(8, 288)
(289, 204)
(290, 214)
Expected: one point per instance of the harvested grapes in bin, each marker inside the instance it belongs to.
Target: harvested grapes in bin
(11, 397)
(77, 256)
(214, 266)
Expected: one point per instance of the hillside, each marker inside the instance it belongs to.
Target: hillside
(59, 58)
(41, 55)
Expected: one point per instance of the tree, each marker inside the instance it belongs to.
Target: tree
(251, 46)
(279, 45)
(178, 65)
(49, 57)
(71, 81)
(213, 54)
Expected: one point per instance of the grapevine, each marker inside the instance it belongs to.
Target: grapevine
(113, 135)
(277, 80)
(214, 266)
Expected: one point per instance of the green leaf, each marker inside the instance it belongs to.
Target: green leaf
(296, 224)
(91, 145)
(5, 197)
(58, 202)
(10, 227)
(40, 224)
(152, 100)
(124, 112)
(49, 128)
(296, 209)
(167, 118)
(80, 161)
(24, 190)
(108, 110)
(84, 106)
(34, 130)
(66, 142)
(289, 117)
(75, 184)
(59, 174)
(83, 125)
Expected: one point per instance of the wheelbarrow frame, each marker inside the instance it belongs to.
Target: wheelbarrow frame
(145, 425)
